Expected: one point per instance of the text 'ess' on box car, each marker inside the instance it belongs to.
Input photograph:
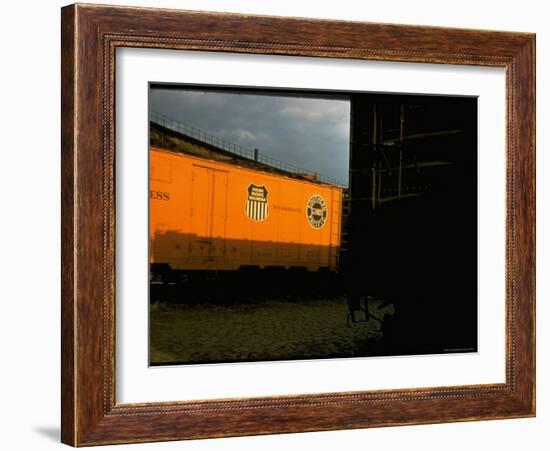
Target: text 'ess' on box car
(209, 216)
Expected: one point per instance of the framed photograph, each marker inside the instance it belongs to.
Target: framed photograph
(281, 224)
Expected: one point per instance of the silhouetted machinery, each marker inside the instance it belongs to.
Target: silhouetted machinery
(413, 213)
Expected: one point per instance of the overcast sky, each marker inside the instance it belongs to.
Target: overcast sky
(310, 133)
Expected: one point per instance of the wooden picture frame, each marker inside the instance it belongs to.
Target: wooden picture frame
(90, 36)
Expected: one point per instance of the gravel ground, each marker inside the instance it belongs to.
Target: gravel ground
(270, 330)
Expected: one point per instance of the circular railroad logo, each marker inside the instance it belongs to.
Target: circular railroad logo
(316, 211)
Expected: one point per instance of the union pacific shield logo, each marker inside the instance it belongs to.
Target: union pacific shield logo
(256, 207)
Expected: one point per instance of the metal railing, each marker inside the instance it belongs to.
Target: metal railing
(236, 149)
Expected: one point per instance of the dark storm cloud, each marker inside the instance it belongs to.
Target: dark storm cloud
(307, 132)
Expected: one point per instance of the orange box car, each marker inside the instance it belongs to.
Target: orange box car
(212, 215)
